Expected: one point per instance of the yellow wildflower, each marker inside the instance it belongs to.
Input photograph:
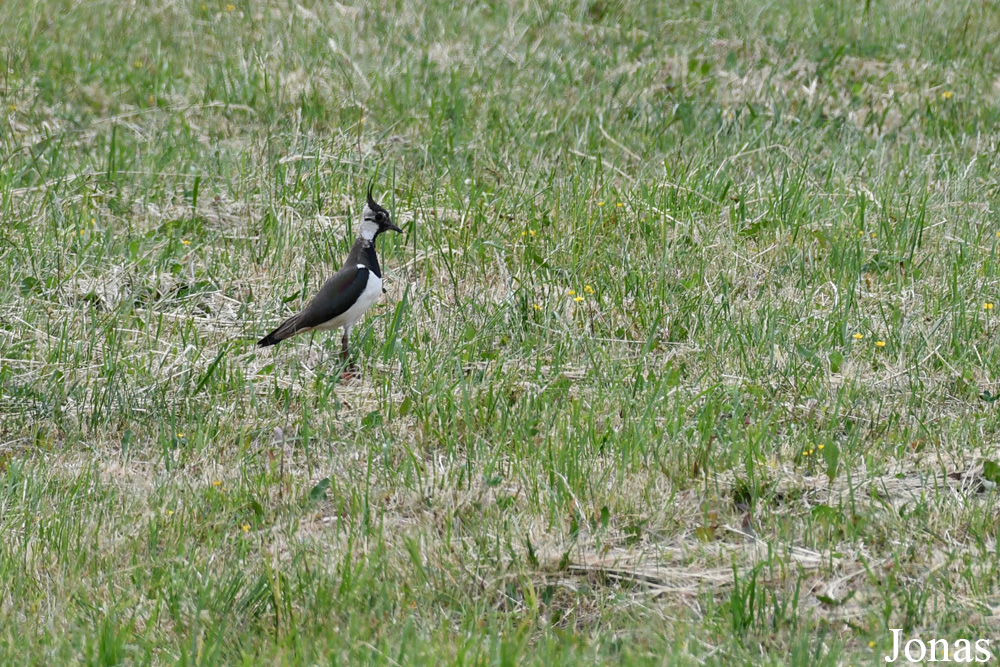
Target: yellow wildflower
(588, 289)
(619, 204)
(531, 232)
(230, 7)
(216, 483)
(880, 343)
(571, 292)
(988, 306)
(578, 299)
(536, 306)
(820, 447)
(871, 644)
(185, 242)
(600, 203)
(245, 528)
(858, 336)
(947, 95)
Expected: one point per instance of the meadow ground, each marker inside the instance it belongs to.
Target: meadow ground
(687, 356)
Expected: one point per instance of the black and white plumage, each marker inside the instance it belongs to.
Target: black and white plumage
(346, 296)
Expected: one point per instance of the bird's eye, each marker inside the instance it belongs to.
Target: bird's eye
(380, 217)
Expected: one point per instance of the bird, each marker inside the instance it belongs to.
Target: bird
(346, 295)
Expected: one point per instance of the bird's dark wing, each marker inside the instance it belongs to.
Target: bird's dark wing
(335, 296)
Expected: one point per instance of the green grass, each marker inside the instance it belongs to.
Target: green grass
(698, 462)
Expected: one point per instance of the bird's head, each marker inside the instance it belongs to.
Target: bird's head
(375, 219)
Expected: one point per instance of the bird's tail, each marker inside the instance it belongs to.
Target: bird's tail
(287, 329)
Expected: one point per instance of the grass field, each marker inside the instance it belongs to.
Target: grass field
(687, 354)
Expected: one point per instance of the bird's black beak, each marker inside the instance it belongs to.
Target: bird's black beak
(393, 227)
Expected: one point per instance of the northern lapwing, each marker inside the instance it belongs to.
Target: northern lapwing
(346, 296)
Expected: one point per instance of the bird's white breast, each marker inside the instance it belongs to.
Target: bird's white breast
(373, 290)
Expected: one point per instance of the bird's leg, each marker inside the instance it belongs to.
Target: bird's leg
(350, 370)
